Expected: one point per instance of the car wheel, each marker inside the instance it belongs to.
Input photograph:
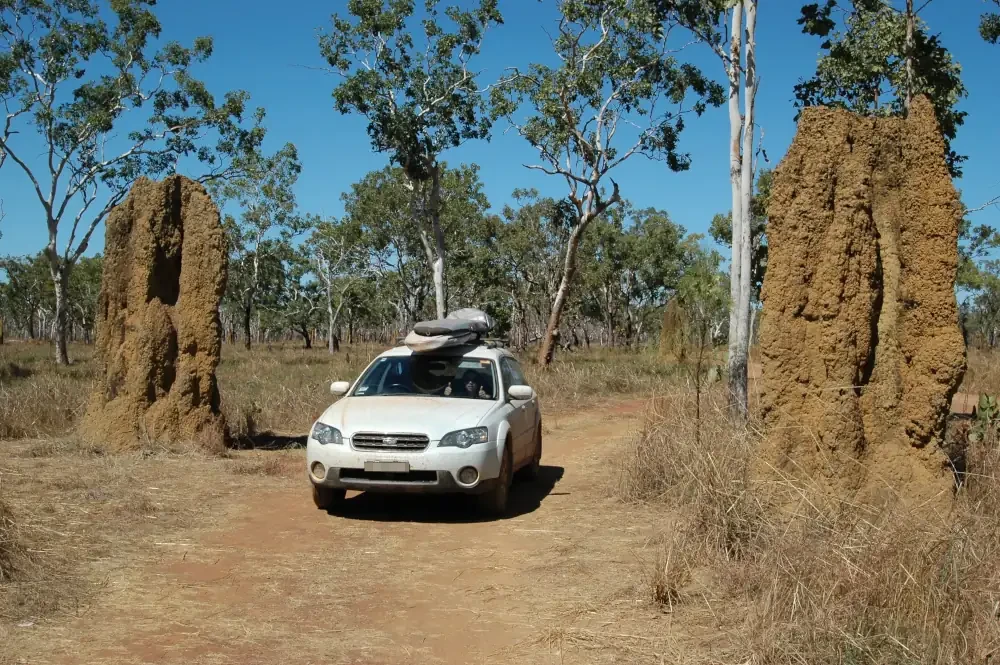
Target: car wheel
(326, 498)
(494, 502)
(534, 467)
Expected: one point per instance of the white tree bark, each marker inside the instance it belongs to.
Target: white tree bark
(734, 71)
(746, 185)
(430, 211)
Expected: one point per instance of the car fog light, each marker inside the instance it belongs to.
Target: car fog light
(468, 475)
(318, 470)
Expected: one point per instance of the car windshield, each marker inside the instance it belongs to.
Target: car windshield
(438, 376)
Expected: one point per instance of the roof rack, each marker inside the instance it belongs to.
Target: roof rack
(488, 342)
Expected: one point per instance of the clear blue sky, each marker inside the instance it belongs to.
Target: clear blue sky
(266, 49)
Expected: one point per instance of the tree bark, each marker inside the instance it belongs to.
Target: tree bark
(547, 347)
(440, 293)
(741, 163)
(747, 171)
(247, 319)
(733, 71)
(60, 278)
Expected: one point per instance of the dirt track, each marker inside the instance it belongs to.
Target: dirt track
(391, 579)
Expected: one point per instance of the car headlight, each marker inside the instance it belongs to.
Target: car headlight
(464, 438)
(326, 434)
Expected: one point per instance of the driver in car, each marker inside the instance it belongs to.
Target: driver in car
(471, 384)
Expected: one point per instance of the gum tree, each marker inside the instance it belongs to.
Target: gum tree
(419, 98)
(618, 92)
(89, 105)
(263, 190)
(875, 59)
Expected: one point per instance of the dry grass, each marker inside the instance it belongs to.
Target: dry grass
(983, 375)
(809, 581)
(11, 550)
(284, 388)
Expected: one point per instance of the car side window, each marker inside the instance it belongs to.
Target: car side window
(505, 372)
(517, 376)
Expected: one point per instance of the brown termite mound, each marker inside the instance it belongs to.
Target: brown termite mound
(672, 329)
(158, 331)
(861, 347)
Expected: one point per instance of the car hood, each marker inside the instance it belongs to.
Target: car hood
(433, 416)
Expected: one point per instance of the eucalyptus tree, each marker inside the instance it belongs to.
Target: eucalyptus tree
(90, 105)
(263, 191)
(871, 66)
(420, 99)
(601, 105)
(338, 258)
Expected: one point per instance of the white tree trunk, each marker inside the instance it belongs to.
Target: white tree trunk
(740, 395)
(736, 375)
(435, 252)
(437, 266)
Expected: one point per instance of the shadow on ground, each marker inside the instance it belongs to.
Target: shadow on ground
(268, 441)
(525, 497)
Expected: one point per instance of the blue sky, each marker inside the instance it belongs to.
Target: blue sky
(270, 54)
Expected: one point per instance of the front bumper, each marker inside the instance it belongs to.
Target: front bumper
(432, 470)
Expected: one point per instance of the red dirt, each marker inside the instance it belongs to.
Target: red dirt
(391, 580)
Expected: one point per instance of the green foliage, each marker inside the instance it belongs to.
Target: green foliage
(378, 208)
(615, 69)
(703, 294)
(70, 77)
(987, 419)
(92, 105)
(981, 312)
(989, 25)
(976, 244)
(863, 69)
(630, 266)
(27, 294)
(419, 99)
(259, 237)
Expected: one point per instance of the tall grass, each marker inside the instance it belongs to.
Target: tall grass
(810, 581)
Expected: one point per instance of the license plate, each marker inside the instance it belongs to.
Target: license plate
(387, 467)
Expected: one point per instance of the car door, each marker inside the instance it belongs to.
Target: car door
(531, 408)
(520, 425)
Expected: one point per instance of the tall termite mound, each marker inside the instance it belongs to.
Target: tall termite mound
(158, 329)
(861, 347)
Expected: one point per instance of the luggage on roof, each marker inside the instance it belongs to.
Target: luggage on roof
(461, 327)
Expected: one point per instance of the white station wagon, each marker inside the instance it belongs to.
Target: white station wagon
(457, 419)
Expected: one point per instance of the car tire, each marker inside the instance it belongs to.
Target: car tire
(326, 498)
(494, 502)
(534, 467)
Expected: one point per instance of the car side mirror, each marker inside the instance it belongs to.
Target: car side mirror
(339, 388)
(520, 393)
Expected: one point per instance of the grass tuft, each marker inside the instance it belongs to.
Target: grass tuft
(810, 580)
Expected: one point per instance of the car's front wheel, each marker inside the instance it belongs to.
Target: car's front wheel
(494, 502)
(326, 498)
(534, 468)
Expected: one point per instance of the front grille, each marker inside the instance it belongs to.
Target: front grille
(410, 477)
(377, 441)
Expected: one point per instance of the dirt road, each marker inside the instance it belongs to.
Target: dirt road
(391, 579)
